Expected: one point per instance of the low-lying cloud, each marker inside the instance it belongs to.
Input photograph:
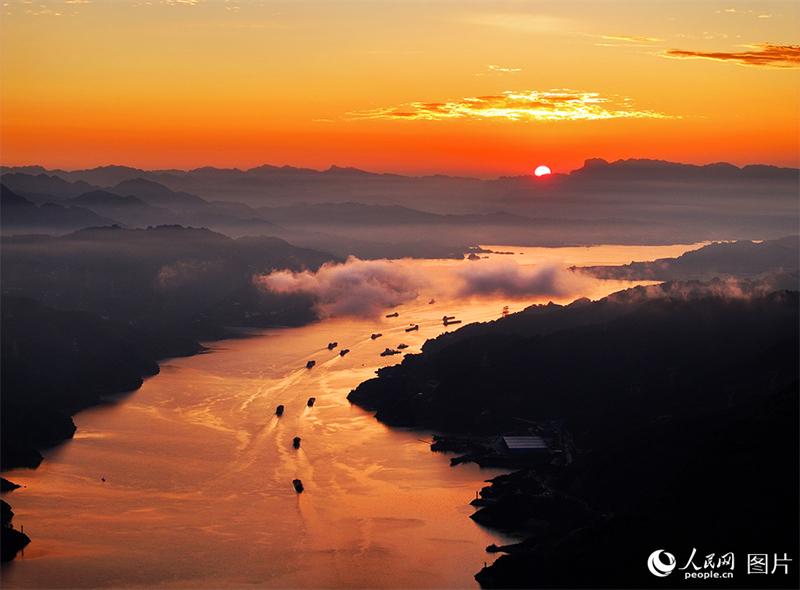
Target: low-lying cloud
(360, 288)
(505, 277)
(366, 288)
(723, 287)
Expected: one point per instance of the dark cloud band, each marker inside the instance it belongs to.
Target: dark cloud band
(764, 55)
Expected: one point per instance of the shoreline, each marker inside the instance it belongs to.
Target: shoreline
(55, 426)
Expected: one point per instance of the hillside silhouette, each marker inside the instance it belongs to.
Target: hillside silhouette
(736, 493)
(22, 216)
(57, 362)
(737, 259)
(651, 396)
(166, 275)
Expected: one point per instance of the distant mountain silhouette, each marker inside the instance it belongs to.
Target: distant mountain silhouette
(13, 203)
(130, 210)
(44, 187)
(597, 168)
(108, 176)
(345, 228)
(154, 193)
(661, 170)
(636, 201)
(18, 215)
(350, 171)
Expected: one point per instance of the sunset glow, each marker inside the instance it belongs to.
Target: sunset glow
(408, 87)
(555, 105)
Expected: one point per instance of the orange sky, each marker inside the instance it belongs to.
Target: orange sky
(468, 88)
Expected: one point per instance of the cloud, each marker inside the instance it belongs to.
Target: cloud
(356, 288)
(726, 288)
(632, 39)
(497, 70)
(764, 55)
(366, 288)
(626, 40)
(42, 12)
(745, 13)
(553, 105)
(505, 277)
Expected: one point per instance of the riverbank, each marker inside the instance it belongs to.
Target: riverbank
(738, 494)
(56, 363)
(642, 393)
(12, 541)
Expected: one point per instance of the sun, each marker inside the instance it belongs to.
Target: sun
(542, 171)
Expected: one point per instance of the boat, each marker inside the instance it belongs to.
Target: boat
(310, 364)
(393, 315)
(448, 317)
(412, 328)
(298, 485)
(344, 351)
(279, 410)
(389, 352)
(311, 401)
(374, 336)
(450, 322)
(296, 442)
(402, 346)
(332, 345)
(432, 301)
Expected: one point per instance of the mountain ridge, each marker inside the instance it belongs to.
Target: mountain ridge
(590, 165)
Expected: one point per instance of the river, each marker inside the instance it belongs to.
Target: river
(187, 482)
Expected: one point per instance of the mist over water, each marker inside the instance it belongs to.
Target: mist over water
(507, 278)
(357, 288)
(364, 288)
(198, 468)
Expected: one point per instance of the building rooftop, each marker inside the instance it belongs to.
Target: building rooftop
(525, 443)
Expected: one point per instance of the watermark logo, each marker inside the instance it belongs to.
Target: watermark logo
(659, 567)
(710, 567)
(716, 566)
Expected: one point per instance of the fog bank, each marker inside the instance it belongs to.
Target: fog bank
(365, 288)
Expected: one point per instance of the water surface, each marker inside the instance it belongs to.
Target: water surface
(198, 469)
